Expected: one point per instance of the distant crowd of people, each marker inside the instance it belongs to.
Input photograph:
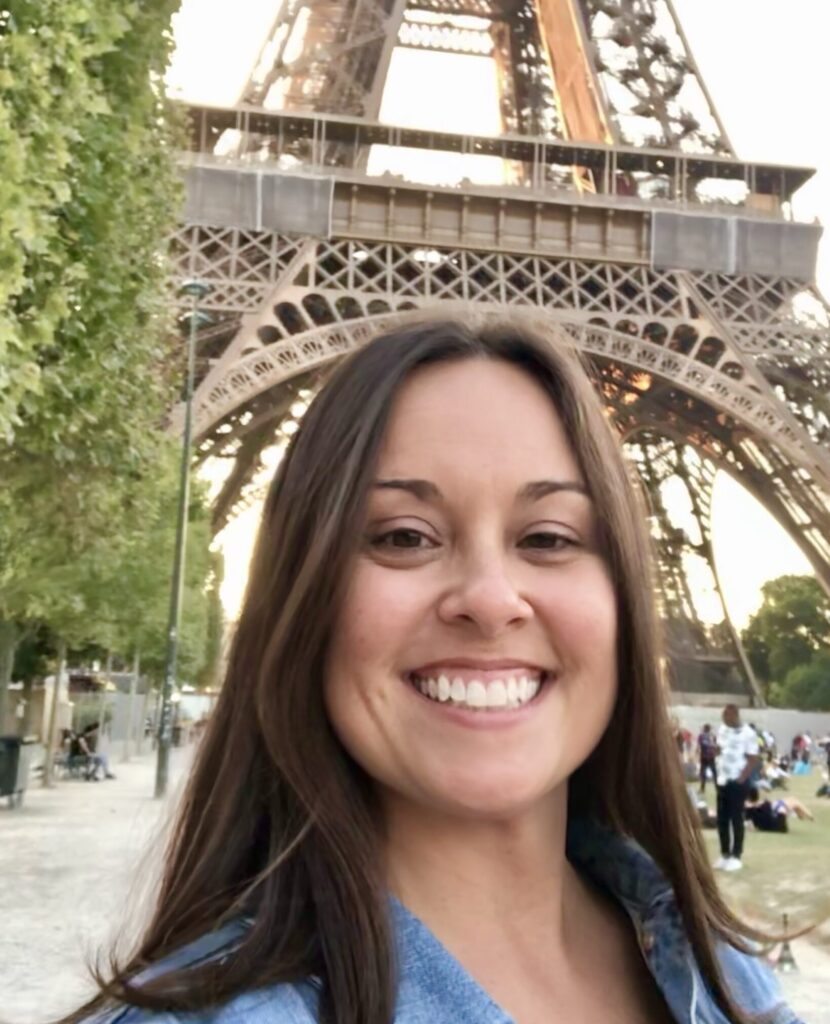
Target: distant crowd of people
(744, 764)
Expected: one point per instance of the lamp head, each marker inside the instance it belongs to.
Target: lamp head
(195, 288)
(196, 318)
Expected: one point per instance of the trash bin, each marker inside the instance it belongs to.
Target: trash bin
(15, 763)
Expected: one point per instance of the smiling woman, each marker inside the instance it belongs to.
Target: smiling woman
(482, 587)
(440, 784)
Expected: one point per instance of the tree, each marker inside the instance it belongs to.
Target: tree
(138, 592)
(88, 195)
(807, 687)
(121, 594)
(788, 632)
(126, 596)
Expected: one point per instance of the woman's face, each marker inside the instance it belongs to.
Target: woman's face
(473, 664)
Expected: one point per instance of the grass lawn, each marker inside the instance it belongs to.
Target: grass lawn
(784, 873)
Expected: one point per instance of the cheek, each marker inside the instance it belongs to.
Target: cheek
(380, 610)
(379, 614)
(581, 620)
(580, 614)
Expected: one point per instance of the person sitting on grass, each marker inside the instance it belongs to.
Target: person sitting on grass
(771, 816)
(776, 774)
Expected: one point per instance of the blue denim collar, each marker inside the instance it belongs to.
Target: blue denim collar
(619, 864)
(432, 984)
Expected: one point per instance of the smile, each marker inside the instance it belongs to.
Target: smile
(484, 691)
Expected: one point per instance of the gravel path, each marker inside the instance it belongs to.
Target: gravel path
(68, 864)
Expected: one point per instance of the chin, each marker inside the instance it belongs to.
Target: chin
(491, 798)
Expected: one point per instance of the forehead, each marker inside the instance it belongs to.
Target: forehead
(476, 417)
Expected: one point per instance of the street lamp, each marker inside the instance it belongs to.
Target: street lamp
(196, 290)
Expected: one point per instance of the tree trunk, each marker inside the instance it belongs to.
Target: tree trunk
(52, 731)
(28, 708)
(9, 636)
(102, 707)
(145, 704)
(131, 707)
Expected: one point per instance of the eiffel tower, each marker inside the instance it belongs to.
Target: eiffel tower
(621, 218)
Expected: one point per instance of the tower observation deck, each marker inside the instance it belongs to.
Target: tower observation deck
(618, 217)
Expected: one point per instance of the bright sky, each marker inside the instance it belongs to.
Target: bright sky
(765, 64)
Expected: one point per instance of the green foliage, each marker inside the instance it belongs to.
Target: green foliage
(35, 652)
(125, 598)
(89, 194)
(789, 635)
(807, 687)
(140, 595)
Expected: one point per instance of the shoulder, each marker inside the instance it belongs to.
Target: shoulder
(753, 985)
(277, 1004)
(280, 1004)
(631, 875)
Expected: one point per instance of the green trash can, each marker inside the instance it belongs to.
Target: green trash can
(15, 764)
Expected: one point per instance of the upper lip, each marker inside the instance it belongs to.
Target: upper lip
(484, 664)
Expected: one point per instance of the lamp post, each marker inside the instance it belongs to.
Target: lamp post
(196, 290)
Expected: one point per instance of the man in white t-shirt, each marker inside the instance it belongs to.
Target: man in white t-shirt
(736, 762)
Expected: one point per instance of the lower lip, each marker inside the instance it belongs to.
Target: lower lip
(467, 718)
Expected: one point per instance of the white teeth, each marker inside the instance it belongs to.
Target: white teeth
(476, 694)
(512, 692)
(497, 694)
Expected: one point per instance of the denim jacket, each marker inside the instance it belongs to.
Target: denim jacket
(433, 988)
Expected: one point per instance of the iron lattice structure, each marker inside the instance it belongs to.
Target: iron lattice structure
(623, 224)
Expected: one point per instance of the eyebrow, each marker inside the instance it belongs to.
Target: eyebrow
(425, 490)
(542, 488)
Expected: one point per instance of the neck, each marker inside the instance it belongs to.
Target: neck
(464, 877)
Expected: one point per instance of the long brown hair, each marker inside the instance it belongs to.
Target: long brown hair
(279, 823)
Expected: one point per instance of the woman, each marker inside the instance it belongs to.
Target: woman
(441, 750)
(771, 815)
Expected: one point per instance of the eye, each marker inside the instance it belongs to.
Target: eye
(546, 540)
(402, 539)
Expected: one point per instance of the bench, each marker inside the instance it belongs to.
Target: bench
(76, 766)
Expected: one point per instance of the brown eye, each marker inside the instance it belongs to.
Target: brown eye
(546, 540)
(401, 540)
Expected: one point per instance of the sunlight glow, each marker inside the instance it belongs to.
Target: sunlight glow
(455, 93)
(750, 548)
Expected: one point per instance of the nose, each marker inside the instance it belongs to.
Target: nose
(486, 597)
